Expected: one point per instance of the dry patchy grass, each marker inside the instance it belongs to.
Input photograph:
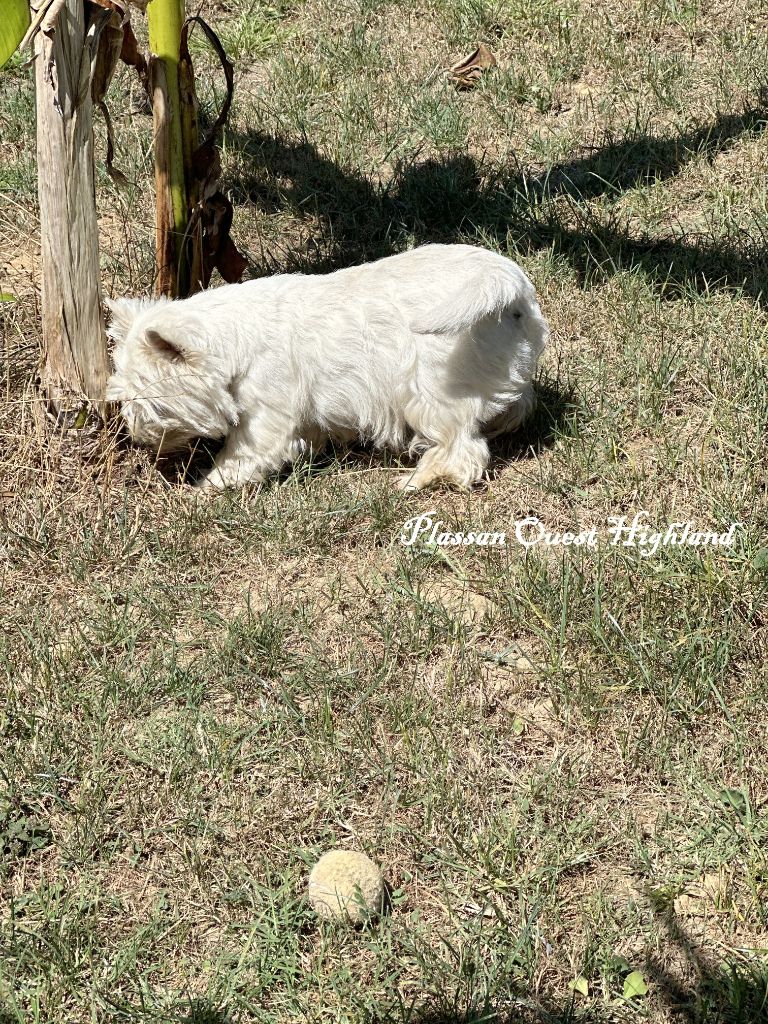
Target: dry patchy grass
(558, 757)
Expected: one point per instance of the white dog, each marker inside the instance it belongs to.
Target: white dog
(421, 349)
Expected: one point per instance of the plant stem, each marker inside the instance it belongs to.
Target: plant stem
(165, 19)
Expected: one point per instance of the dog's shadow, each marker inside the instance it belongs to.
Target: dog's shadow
(557, 415)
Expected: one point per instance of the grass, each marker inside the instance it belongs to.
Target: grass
(557, 756)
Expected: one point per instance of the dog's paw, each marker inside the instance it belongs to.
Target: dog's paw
(209, 485)
(408, 484)
(234, 476)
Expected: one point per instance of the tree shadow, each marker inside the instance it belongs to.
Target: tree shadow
(733, 994)
(460, 197)
(639, 158)
(730, 995)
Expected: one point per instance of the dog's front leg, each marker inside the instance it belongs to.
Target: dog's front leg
(258, 446)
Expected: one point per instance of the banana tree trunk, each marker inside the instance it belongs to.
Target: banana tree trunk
(75, 363)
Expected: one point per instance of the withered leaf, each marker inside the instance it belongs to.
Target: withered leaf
(230, 262)
(114, 172)
(131, 55)
(108, 19)
(466, 73)
(211, 220)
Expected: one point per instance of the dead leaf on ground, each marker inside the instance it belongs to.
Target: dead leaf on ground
(705, 896)
(466, 73)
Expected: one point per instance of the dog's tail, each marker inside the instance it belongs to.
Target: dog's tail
(479, 286)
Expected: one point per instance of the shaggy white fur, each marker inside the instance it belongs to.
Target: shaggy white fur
(422, 350)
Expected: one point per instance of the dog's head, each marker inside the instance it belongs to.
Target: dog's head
(170, 386)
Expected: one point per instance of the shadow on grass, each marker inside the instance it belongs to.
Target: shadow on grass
(731, 993)
(726, 999)
(458, 197)
(558, 414)
(734, 994)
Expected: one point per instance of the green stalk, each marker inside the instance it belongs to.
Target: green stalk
(165, 19)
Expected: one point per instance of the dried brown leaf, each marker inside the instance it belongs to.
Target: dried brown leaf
(131, 55)
(466, 73)
(109, 19)
(208, 231)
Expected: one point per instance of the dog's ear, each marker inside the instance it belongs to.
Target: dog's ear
(123, 313)
(164, 347)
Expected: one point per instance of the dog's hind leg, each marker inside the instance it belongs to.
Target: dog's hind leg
(511, 418)
(457, 453)
(461, 462)
(257, 447)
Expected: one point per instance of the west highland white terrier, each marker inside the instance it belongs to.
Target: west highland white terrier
(421, 350)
